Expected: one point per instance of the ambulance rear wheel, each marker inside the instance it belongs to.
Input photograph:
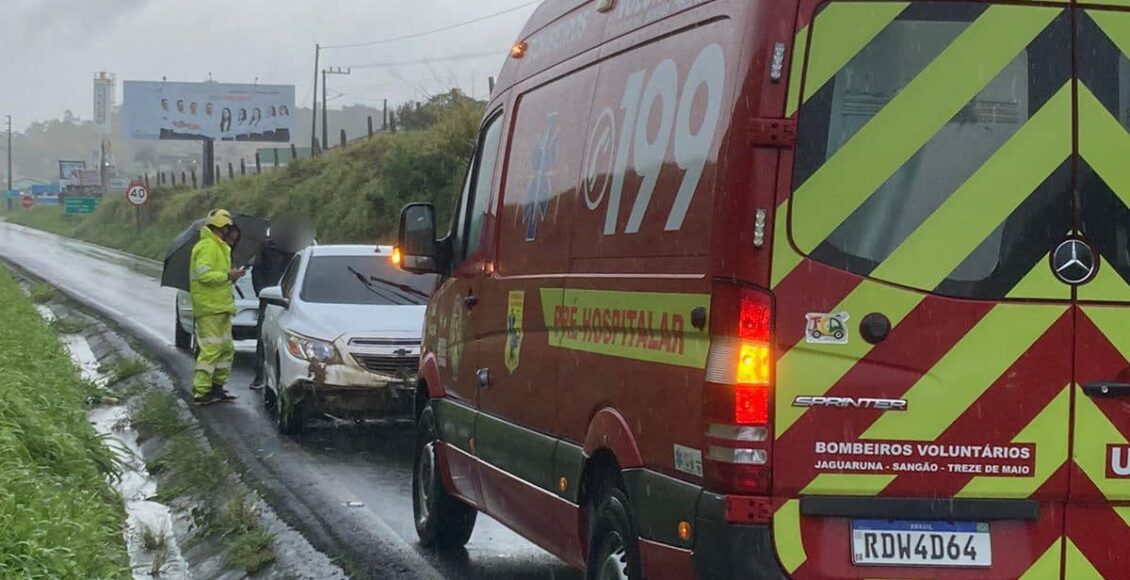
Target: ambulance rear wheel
(614, 552)
(442, 520)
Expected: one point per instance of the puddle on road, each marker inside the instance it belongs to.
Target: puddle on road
(136, 485)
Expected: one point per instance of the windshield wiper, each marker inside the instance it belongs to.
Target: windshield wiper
(402, 287)
(369, 285)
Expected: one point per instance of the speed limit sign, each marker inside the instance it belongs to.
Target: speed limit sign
(137, 195)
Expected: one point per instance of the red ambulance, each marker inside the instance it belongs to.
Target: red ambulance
(791, 288)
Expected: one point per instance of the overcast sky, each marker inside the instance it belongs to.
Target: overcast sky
(53, 48)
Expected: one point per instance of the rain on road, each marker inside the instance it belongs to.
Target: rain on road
(346, 487)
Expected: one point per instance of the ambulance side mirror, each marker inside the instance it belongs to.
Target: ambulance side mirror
(417, 239)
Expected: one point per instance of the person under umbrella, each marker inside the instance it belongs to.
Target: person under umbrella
(211, 278)
(285, 238)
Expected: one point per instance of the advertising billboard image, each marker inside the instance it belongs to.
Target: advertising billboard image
(67, 169)
(194, 111)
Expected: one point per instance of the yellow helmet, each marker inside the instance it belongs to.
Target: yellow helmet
(218, 218)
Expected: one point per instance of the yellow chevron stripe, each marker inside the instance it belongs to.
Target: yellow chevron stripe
(950, 387)
(986, 200)
(1048, 431)
(1047, 566)
(1124, 513)
(1113, 322)
(1039, 282)
(1078, 566)
(796, 72)
(956, 381)
(1093, 432)
(847, 484)
(812, 369)
(843, 29)
(1100, 138)
(912, 117)
(785, 259)
(1115, 25)
(786, 536)
(1107, 285)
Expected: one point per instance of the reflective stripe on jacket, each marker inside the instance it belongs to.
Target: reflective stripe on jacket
(210, 288)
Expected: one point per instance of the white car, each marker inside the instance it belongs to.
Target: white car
(242, 325)
(341, 336)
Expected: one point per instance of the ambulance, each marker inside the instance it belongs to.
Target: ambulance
(791, 288)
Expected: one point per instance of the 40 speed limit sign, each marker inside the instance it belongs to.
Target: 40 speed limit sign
(137, 195)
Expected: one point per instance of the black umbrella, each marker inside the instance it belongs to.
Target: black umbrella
(253, 232)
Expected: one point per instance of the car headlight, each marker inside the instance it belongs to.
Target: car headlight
(310, 349)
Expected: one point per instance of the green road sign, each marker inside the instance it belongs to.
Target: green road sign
(80, 205)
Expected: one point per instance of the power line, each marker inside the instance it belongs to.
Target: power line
(387, 64)
(434, 31)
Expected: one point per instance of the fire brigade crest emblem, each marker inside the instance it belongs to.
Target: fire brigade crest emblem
(515, 305)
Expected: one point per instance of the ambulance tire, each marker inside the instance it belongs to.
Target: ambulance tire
(442, 520)
(614, 552)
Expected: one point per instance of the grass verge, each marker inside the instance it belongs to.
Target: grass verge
(59, 517)
(189, 469)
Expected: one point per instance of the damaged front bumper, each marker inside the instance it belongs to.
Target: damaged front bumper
(347, 392)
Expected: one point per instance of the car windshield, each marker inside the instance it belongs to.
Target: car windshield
(363, 280)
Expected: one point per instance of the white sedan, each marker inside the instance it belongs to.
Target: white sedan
(341, 336)
(242, 325)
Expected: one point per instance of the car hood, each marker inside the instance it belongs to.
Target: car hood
(331, 321)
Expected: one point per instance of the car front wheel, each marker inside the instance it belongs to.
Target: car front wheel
(182, 338)
(288, 416)
(442, 520)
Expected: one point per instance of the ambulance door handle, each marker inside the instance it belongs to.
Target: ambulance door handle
(471, 301)
(1106, 389)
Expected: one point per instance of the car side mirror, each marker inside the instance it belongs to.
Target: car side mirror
(416, 241)
(273, 295)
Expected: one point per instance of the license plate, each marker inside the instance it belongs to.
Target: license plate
(915, 543)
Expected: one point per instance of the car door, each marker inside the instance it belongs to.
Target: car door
(931, 180)
(1099, 505)
(272, 324)
(453, 316)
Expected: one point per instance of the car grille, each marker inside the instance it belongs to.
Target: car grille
(393, 366)
(384, 341)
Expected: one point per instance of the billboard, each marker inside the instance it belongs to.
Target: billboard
(103, 102)
(224, 112)
(68, 168)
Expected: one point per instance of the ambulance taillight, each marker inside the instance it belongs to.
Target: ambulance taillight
(738, 391)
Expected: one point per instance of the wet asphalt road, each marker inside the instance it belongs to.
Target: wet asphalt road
(347, 487)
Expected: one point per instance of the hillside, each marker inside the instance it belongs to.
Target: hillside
(354, 195)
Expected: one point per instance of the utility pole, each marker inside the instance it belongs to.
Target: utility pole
(6, 195)
(314, 111)
(325, 121)
(9, 153)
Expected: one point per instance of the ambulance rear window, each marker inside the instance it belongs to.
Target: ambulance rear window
(870, 102)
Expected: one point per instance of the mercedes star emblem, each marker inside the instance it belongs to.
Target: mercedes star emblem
(1073, 261)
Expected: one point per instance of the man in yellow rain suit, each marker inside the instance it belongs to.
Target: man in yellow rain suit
(211, 278)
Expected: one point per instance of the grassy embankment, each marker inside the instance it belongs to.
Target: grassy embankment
(59, 517)
(354, 195)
